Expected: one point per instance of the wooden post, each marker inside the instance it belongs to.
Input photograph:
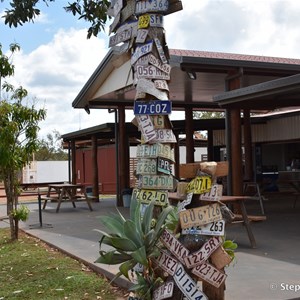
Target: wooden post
(248, 146)
(210, 145)
(177, 156)
(189, 131)
(95, 167)
(73, 150)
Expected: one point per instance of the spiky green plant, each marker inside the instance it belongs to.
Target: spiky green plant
(134, 241)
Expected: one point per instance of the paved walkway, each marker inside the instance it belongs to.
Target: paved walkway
(272, 271)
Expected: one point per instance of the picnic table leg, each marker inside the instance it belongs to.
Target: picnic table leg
(58, 204)
(247, 224)
(88, 203)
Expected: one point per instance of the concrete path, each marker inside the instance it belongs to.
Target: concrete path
(272, 271)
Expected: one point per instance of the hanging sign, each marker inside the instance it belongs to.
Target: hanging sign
(156, 182)
(200, 215)
(210, 274)
(174, 246)
(143, 71)
(167, 263)
(146, 196)
(152, 107)
(164, 166)
(146, 166)
(197, 258)
(199, 185)
(214, 228)
(155, 150)
(146, 126)
(141, 50)
(147, 86)
(146, 6)
(214, 194)
(164, 291)
(187, 285)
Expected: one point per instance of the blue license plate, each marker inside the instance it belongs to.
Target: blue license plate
(159, 107)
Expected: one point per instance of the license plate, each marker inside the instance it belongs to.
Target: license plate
(159, 107)
(164, 291)
(128, 10)
(161, 84)
(214, 194)
(200, 215)
(164, 136)
(197, 258)
(141, 50)
(174, 246)
(164, 166)
(147, 86)
(146, 196)
(181, 205)
(156, 182)
(210, 274)
(158, 64)
(214, 228)
(146, 166)
(187, 285)
(118, 6)
(146, 127)
(158, 121)
(199, 185)
(141, 36)
(155, 150)
(156, 20)
(144, 21)
(151, 72)
(151, 6)
(160, 51)
(120, 37)
(167, 263)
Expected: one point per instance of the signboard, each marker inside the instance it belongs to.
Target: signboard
(197, 258)
(187, 285)
(164, 291)
(174, 246)
(146, 127)
(199, 185)
(155, 150)
(156, 182)
(164, 166)
(210, 274)
(147, 86)
(214, 228)
(214, 194)
(200, 215)
(146, 166)
(140, 51)
(143, 71)
(152, 107)
(167, 263)
(146, 196)
(161, 84)
(146, 6)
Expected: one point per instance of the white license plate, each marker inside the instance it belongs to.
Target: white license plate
(120, 37)
(181, 205)
(146, 196)
(161, 84)
(141, 36)
(175, 247)
(200, 215)
(146, 6)
(214, 194)
(158, 121)
(199, 185)
(141, 50)
(197, 258)
(146, 127)
(167, 263)
(158, 64)
(187, 285)
(151, 72)
(147, 86)
(152, 20)
(156, 182)
(164, 136)
(164, 291)
(155, 150)
(214, 228)
(210, 274)
(160, 51)
(146, 166)
(164, 166)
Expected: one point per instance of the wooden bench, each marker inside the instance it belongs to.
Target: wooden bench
(239, 218)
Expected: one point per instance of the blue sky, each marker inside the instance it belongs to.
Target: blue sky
(56, 59)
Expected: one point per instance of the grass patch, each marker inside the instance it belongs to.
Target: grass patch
(30, 269)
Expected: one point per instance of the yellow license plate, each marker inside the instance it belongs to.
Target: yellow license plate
(146, 196)
(199, 185)
(144, 21)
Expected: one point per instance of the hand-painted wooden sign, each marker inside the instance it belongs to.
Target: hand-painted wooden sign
(200, 215)
(197, 258)
(214, 228)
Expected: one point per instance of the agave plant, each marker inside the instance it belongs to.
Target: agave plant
(132, 241)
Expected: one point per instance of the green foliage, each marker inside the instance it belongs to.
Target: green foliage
(230, 246)
(132, 241)
(21, 213)
(208, 115)
(93, 12)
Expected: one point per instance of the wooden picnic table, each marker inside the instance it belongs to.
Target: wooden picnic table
(66, 192)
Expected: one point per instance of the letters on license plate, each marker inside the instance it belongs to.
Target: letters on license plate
(200, 215)
(164, 166)
(146, 6)
(158, 64)
(167, 263)
(141, 50)
(210, 274)
(155, 150)
(199, 185)
(156, 182)
(146, 127)
(120, 37)
(146, 196)
(164, 291)
(187, 285)
(151, 72)
(159, 107)
(214, 194)
(197, 258)
(164, 136)
(160, 51)
(146, 166)
(141, 36)
(214, 228)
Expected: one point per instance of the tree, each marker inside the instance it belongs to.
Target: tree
(18, 140)
(209, 115)
(51, 148)
(94, 12)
